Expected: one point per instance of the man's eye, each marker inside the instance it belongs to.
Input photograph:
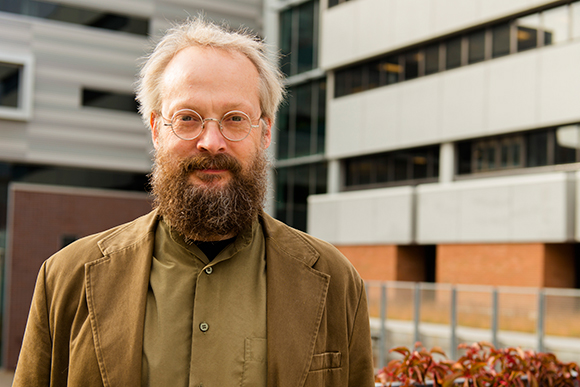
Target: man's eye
(187, 118)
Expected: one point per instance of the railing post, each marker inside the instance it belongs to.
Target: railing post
(494, 317)
(453, 338)
(417, 312)
(541, 321)
(383, 337)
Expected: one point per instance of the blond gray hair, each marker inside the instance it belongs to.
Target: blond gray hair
(200, 32)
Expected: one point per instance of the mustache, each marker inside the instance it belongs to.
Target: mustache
(205, 161)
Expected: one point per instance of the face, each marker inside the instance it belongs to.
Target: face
(209, 188)
(212, 82)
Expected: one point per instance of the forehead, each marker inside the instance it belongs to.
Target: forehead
(206, 68)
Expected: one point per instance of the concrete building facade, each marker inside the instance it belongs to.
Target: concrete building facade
(452, 139)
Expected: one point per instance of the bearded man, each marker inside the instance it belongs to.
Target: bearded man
(206, 290)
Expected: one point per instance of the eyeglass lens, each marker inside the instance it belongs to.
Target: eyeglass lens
(188, 124)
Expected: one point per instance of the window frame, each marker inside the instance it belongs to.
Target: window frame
(23, 111)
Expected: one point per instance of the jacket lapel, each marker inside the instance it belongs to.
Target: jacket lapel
(116, 296)
(296, 297)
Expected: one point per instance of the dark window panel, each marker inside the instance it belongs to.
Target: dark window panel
(375, 74)
(321, 118)
(321, 178)
(286, 41)
(401, 164)
(412, 65)
(567, 144)
(537, 149)
(303, 101)
(476, 51)
(453, 53)
(500, 37)
(109, 100)
(527, 32)
(432, 59)
(393, 69)
(283, 123)
(306, 37)
(10, 84)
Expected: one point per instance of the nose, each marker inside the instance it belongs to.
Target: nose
(211, 139)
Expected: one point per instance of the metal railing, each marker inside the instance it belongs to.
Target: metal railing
(444, 315)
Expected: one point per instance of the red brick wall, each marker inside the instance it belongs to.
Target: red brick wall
(491, 264)
(41, 216)
(387, 262)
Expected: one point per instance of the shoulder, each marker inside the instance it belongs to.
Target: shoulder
(317, 253)
(72, 258)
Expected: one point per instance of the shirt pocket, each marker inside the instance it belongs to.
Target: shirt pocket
(255, 363)
(326, 361)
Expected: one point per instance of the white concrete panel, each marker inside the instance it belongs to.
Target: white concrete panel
(540, 210)
(437, 213)
(455, 14)
(376, 25)
(383, 117)
(338, 33)
(463, 97)
(503, 210)
(420, 111)
(513, 92)
(484, 213)
(560, 84)
(414, 20)
(355, 221)
(382, 216)
(345, 125)
(371, 24)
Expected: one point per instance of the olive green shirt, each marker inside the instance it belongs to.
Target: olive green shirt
(205, 322)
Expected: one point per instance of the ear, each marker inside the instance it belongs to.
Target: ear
(154, 123)
(267, 132)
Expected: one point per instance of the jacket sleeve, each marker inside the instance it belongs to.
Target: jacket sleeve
(34, 361)
(361, 371)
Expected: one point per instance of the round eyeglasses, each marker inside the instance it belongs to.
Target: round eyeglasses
(188, 124)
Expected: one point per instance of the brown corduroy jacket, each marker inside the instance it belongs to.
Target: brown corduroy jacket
(85, 326)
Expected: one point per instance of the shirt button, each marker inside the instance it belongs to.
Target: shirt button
(203, 327)
(208, 270)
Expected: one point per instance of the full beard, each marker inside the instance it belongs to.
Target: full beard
(208, 212)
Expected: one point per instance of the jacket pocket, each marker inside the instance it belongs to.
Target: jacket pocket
(255, 365)
(325, 361)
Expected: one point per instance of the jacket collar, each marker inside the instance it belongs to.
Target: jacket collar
(117, 289)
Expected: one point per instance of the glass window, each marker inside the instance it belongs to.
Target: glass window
(341, 82)
(375, 74)
(432, 59)
(301, 120)
(109, 100)
(393, 69)
(567, 144)
(10, 84)
(306, 37)
(527, 32)
(556, 25)
(464, 154)
(453, 53)
(391, 167)
(78, 15)
(293, 186)
(575, 16)
(303, 103)
(16, 73)
(412, 65)
(500, 40)
(321, 115)
(283, 123)
(537, 149)
(476, 41)
(286, 41)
